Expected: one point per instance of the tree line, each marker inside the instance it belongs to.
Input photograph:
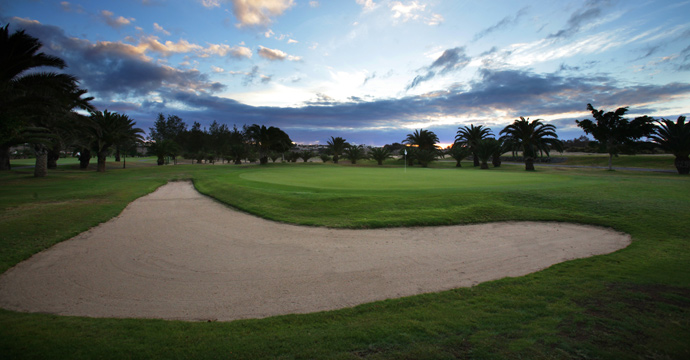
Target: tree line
(613, 132)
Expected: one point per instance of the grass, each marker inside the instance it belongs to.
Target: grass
(664, 161)
(630, 304)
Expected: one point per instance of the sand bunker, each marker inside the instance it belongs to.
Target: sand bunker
(176, 254)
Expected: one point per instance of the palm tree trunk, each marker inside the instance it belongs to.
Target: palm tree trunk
(5, 157)
(496, 161)
(529, 163)
(53, 156)
(475, 158)
(682, 165)
(484, 165)
(457, 163)
(84, 158)
(117, 153)
(610, 161)
(101, 161)
(264, 160)
(41, 168)
(335, 158)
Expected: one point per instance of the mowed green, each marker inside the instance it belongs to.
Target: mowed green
(633, 303)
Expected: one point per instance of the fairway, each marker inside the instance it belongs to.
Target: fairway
(620, 305)
(395, 179)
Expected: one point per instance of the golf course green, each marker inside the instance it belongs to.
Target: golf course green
(633, 303)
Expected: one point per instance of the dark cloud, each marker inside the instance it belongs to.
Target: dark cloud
(108, 68)
(451, 60)
(591, 10)
(369, 77)
(649, 51)
(519, 93)
(505, 23)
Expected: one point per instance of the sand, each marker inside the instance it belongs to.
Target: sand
(176, 254)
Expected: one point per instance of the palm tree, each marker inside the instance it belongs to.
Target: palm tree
(675, 138)
(336, 145)
(471, 136)
(530, 137)
(422, 139)
(380, 154)
(498, 151)
(459, 152)
(22, 95)
(109, 128)
(425, 157)
(306, 155)
(486, 149)
(354, 153)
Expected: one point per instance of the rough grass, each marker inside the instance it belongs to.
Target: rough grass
(630, 304)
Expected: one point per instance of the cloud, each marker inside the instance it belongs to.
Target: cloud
(252, 75)
(314, 4)
(506, 22)
(451, 60)
(590, 11)
(116, 22)
(275, 54)
(413, 10)
(217, 69)
(68, 7)
(435, 19)
(292, 41)
(160, 29)
(114, 68)
(369, 77)
(259, 12)
(210, 3)
(367, 5)
(406, 12)
(486, 100)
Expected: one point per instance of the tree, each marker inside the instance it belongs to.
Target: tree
(109, 128)
(499, 149)
(459, 152)
(267, 140)
(238, 148)
(22, 95)
(422, 139)
(486, 149)
(336, 146)
(424, 156)
(471, 136)
(354, 153)
(164, 148)
(532, 138)
(380, 154)
(615, 132)
(306, 155)
(172, 129)
(675, 138)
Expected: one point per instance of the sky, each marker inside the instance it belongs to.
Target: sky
(370, 71)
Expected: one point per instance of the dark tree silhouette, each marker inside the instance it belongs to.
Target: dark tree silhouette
(336, 146)
(675, 138)
(614, 131)
(532, 137)
(470, 136)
